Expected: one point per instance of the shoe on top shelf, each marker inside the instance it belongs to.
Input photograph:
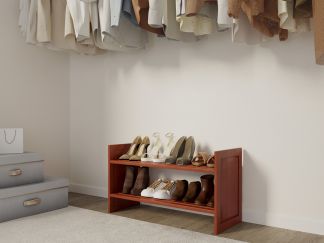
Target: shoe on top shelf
(142, 149)
(188, 152)
(163, 155)
(177, 151)
(153, 150)
(133, 148)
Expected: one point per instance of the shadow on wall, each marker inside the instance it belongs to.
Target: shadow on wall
(255, 191)
(167, 53)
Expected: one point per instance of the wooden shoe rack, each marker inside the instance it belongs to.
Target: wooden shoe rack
(227, 210)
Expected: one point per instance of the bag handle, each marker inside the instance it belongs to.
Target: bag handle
(5, 137)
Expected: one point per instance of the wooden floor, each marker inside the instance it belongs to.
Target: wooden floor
(200, 223)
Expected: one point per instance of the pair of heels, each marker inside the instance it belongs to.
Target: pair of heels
(204, 159)
(183, 151)
(157, 152)
(137, 149)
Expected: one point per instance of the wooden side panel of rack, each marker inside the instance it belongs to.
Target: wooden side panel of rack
(228, 189)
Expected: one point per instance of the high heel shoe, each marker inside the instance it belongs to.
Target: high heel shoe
(133, 148)
(153, 150)
(188, 153)
(142, 149)
(177, 151)
(163, 155)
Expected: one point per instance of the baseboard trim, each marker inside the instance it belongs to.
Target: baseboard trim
(284, 221)
(89, 190)
(251, 216)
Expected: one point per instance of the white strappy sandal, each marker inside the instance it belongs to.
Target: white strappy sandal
(162, 156)
(153, 150)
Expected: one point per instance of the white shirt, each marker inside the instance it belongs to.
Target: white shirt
(115, 10)
(180, 7)
(79, 11)
(23, 15)
(123, 37)
(155, 14)
(223, 20)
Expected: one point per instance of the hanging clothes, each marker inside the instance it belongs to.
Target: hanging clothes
(243, 32)
(79, 11)
(128, 11)
(43, 21)
(263, 15)
(318, 6)
(31, 30)
(266, 22)
(192, 7)
(155, 14)
(287, 20)
(302, 8)
(223, 20)
(285, 14)
(201, 23)
(141, 9)
(115, 10)
(172, 27)
(23, 16)
(63, 34)
(123, 37)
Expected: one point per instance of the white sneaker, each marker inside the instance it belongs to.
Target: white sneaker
(166, 191)
(156, 185)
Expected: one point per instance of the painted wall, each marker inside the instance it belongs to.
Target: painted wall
(34, 91)
(267, 99)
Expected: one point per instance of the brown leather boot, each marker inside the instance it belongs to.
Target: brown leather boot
(193, 191)
(129, 179)
(180, 190)
(207, 184)
(142, 181)
(211, 202)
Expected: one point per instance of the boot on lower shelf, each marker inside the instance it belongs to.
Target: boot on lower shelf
(211, 202)
(180, 190)
(129, 179)
(142, 181)
(193, 191)
(207, 189)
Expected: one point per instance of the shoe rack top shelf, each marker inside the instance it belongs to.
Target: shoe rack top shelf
(167, 203)
(203, 169)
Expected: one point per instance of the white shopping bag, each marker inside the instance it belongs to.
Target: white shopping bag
(11, 140)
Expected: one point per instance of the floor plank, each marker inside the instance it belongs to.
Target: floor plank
(200, 223)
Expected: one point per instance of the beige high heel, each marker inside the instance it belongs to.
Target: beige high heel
(133, 148)
(141, 149)
(188, 152)
(201, 159)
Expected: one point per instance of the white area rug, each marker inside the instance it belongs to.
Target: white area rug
(78, 225)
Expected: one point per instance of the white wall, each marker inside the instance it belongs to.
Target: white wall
(267, 99)
(34, 91)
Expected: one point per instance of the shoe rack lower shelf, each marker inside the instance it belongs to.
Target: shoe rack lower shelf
(168, 203)
(227, 210)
